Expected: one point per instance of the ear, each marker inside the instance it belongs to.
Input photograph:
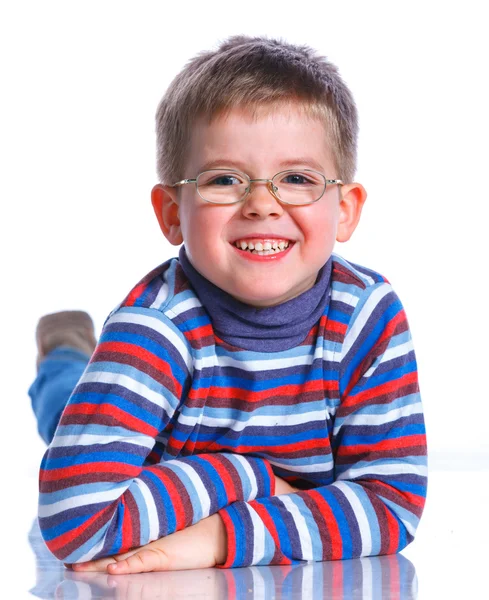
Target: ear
(353, 196)
(165, 204)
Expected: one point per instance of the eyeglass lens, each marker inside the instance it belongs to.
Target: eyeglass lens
(294, 187)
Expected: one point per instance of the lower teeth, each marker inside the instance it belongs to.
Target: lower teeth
(265, 252)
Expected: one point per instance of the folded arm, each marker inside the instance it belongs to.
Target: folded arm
(99, 495)
(374, 505)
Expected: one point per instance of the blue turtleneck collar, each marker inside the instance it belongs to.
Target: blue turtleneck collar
(269, 329)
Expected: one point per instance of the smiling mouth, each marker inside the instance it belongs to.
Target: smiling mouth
(263, 247)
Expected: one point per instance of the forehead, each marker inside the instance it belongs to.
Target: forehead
(264, 138)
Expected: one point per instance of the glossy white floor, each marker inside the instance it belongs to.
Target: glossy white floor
(449, 558)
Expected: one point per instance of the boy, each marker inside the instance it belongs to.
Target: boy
(254, 401)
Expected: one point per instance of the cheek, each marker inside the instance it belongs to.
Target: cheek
(319, 223)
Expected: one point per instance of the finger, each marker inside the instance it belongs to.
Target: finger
(93, 565)
(141, 562)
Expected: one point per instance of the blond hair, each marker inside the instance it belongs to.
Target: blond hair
(255, 73)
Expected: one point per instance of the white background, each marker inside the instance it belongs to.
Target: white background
(80, 82)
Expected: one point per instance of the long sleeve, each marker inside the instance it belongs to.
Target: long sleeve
(103, 487)
(378, 441)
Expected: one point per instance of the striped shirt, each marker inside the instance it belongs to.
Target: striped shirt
(170, 424)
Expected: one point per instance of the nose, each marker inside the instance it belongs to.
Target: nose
(260, 202)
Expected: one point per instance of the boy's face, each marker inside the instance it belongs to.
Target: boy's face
(260, 147)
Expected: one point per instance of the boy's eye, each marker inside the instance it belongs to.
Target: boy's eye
(225, 179)
(297, 179)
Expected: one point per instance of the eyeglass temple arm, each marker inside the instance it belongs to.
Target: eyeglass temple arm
(184, 181)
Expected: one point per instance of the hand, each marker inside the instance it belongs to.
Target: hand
(199, 546)
(282, 487)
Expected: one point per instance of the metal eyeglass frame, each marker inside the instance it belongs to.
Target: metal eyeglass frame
(272, 188)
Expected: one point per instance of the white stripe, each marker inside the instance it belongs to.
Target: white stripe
(48, 510)
(300, 523)
(264, 365)
(205, 362)
(86, 439)
(360, 515)
(92, 552)
(329, 355)
(390, 353)
(161, 296)
(154, 521)
(158, 326)
(183, 306)
(399, 468)
(130, 384)
(201, 492)
(345, 297)
(389, 416)
(249, 472)
(365, 312)
(311, 468)
(258, 420)
(245, 364)
(258, 537)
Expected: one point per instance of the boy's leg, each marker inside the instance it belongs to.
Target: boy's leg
(65, 342)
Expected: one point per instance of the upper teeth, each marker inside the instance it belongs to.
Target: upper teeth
(262, 245)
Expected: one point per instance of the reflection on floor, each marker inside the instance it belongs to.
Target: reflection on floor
(389, 577)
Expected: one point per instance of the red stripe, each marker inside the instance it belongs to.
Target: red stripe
(380, 390)
(231, 539)
(250, 396)
(337, 326)
(66, 538)
(403, 442)
(393, 531)
(128, 420)
(136, 292)
(175, 497)
(330, 519)
(271, 450)
(199, 332)
(127, 349)
(97, 468)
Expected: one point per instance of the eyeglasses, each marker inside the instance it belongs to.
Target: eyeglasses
(224, 186)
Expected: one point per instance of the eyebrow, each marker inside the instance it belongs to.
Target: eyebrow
(219, 163)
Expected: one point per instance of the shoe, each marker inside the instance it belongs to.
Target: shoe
(73, 328)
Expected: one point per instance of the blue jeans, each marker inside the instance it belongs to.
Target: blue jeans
(57, 377)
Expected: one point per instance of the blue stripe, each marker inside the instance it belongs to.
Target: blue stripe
(63, 526)
(117, 545)
(93, 456)
(221, 495)
(171, 519)
(100, 398)
(318, 374)
(395, 432)
(259, 441)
